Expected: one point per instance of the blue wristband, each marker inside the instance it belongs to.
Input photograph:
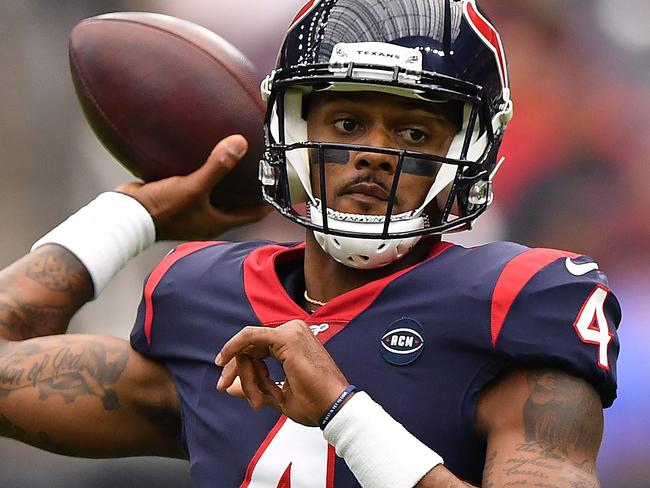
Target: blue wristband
(336, 405)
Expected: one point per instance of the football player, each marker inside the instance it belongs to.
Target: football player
(393, 359)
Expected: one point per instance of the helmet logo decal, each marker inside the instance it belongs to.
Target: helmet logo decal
(377, 53)
(490, 37)
(302, 13)
(403, 342)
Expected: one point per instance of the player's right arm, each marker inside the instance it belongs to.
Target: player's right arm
(87, 396)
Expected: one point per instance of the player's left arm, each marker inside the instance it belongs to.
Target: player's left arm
(543, 428)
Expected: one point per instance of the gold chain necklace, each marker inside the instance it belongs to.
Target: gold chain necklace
(312, 301)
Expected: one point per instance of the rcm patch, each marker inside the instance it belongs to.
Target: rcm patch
(403, 342)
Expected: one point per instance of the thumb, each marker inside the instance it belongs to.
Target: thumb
(223, 158)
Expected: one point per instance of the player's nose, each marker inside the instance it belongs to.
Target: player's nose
(378, 138)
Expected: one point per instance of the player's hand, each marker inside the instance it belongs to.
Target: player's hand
(180, 205)
(313, 380)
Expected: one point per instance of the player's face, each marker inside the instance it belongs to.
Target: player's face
(360, 181)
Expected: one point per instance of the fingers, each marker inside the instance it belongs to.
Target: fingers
(267, 385)
(235, 390)
(248, 378)
(252, 382)
(228, 375)
(240, 346)
(255, 341)
(227, 153)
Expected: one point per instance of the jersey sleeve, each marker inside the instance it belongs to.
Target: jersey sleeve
(159, 294)
(560, 314)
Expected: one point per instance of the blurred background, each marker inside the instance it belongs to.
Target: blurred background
(577, 177)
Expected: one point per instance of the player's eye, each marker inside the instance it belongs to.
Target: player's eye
(413, 136)
(347, 126)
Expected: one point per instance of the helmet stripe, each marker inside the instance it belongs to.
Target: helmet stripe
(306, 8)
(489, 35)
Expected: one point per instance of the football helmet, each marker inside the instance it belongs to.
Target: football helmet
(428, 50)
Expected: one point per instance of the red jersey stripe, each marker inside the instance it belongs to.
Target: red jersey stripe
(331, 464)
(514, 276)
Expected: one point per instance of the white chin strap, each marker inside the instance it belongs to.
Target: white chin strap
(365, 253)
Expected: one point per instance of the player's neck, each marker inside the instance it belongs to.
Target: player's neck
(326, 278)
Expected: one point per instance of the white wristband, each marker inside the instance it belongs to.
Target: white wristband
(379, 451)
(104, 235)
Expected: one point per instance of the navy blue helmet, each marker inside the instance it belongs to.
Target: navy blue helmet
(436, 51)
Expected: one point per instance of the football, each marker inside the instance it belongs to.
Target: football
(159, 93)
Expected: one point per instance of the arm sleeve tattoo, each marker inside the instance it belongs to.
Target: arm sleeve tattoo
(562, 429)
(41, 292)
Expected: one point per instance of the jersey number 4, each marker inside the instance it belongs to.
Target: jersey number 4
(591, 324)
(292, 456)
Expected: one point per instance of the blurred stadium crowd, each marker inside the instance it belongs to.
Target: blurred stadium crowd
(576, 177)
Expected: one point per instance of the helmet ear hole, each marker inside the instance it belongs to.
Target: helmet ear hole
(381, 247)
(337, 243)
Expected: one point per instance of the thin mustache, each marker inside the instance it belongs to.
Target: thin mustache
(367, 179)
(370, 179)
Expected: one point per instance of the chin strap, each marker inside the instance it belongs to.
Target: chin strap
(365, 253)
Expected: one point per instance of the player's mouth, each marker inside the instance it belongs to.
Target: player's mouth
(367, 192)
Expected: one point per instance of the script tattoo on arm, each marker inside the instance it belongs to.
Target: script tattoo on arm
(488, 470)
(70, 371)
(89, 396)
(35, 377)
(562, 420)
(40, 293)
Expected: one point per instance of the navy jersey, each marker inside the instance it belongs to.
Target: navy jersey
(423, 342)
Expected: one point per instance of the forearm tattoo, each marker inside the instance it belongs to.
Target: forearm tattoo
(40, 293)
(563, 424)
(57, 270)
(25, 321)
